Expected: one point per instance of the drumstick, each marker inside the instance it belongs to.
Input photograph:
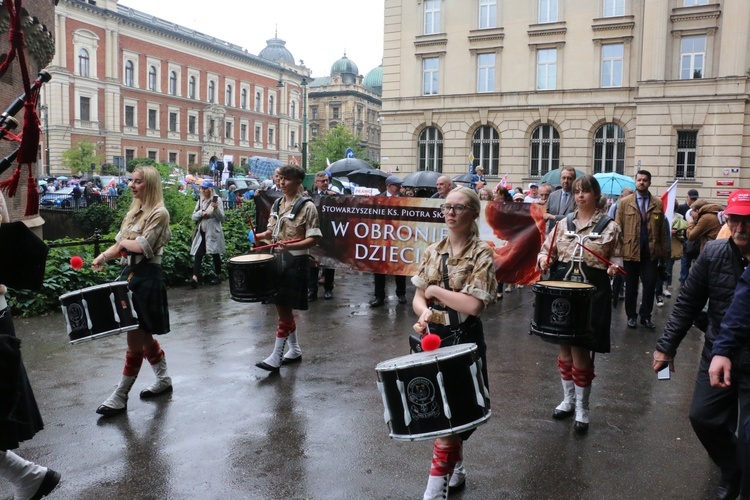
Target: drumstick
(272, 245)
(605, 261)
(551, 244)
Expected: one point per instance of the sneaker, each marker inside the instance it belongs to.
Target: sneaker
(508, 289)
(667, 294)
(458, 478)
(660, 301)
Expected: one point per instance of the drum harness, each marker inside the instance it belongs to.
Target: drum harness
(448, 317)
(285, 261)
(575, 272)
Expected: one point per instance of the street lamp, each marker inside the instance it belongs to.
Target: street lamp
(304, 123)
(45, 109)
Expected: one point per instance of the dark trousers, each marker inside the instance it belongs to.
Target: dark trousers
(380, 285)
(312, 284)
(713, 415)
(645, 272)
(199, 259)
(741, 380)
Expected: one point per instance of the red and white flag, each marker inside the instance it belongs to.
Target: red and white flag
(667, 200)
(328, 163)
(504, 181)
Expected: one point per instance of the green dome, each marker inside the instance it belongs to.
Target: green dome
(345, 66)
(374, 79)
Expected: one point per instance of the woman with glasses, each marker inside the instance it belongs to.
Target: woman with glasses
(471, 285)
(575, 361)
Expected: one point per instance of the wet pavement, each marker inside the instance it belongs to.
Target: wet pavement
(316, 429)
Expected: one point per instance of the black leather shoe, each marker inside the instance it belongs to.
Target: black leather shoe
(146, 394)
(581, 427)
(562, 414)
(291, 361)
(267, 367)
(106, 411)
(402, 299)
(648, 324)
(327, 296)
(727, 490)
(378, 302)
(312, 297)
(632, 323)
(50, 481)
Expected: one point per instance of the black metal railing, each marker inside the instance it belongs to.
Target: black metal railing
(95, 240)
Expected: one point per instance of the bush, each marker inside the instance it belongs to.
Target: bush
(95, 217)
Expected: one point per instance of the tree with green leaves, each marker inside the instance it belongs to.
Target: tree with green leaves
(333, 145)
(80, 157)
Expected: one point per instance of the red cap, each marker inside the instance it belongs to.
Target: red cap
(739, 203)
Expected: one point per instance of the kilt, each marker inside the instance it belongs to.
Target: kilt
(293, 283)
(149, 297)
(24, 419)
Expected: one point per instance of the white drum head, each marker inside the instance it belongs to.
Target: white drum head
(565, 284)
(252, 257)
(426, 357)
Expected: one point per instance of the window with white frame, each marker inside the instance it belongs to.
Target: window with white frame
(431, 17)
(609, 149)
(152, 154)
(152, 78)
(485, 146)
(129, 116)
(243, 131)
(487, 14)
(692, 57)
(258, 133)
(258, 107)
(173, 83)
(612, 56)
(687, 148)
(430, 74)
(152, 119)
(292, 139)
(211, 91)
(271, 107)
(83, 62)
(192, 86)
(173, 157)
(271, 135)
(545, 150)
(430, 153)
(85, 108)
(613, 8)
(129, 73)
(129, 155)
(546, 69)
(243, 99)
(228, 96)
(192, 157)
(293, 110)
(173, 121)
(548, 11)
(228, 130)
(693, 3)
(192, 124)
(486, 72)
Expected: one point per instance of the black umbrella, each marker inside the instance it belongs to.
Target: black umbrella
(422, 179)
(343, 167)
(463, 179)
(368, 177)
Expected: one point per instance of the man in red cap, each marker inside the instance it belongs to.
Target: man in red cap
(714, 275)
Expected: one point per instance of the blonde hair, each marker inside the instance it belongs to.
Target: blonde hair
(473, 203)
(152, 194)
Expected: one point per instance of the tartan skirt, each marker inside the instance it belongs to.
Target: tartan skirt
(293, 283)
(149, 297)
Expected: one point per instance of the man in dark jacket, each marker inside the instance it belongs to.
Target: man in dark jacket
(715, 274)
(392, 188)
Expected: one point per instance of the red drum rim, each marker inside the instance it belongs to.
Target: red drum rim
(425, 357)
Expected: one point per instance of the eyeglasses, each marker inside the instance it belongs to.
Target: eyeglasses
(457, 209)
(737, 219)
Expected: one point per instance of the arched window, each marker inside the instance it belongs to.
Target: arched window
(83, 62)
(293, 110)
(173, 82)
(228, 96)
(211, 91)
(271, 107)
(257, 102)
(152, 78)
(430, 155)
(545, 150)
(191, 87)
(129, 73)
(243, 99)
(486, 148)
(609, 149)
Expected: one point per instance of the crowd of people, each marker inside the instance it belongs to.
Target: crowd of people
(455, 282)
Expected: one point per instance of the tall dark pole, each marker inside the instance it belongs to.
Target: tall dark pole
(304, 123)
(46, 137)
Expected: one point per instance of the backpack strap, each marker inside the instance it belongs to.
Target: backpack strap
(603, 222)
(569, 219)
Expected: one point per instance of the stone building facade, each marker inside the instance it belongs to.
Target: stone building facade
(139, 86)
(347, 98)
(600, 85)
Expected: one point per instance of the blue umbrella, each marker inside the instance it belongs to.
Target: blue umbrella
(612, 182)
(262, 167)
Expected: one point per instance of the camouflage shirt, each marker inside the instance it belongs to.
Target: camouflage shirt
(608, 245)
(472, 271)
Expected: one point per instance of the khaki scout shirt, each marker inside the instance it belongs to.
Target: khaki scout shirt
(305, 225)
(608, 245)
(471, 271)
(149, 230)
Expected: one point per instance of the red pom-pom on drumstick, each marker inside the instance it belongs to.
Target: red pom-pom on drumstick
(430, 342)
(76, 262)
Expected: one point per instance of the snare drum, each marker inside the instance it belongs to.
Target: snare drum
(99, 311)
(434, 393)
(563, 309)
(253, 277)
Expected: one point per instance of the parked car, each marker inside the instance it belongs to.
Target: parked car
(242, 184)
(62, 198)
